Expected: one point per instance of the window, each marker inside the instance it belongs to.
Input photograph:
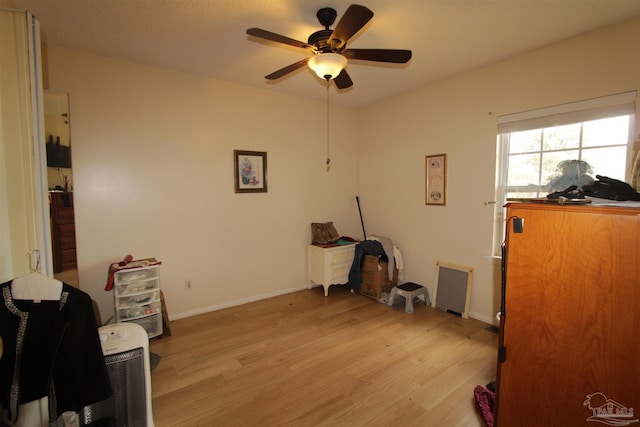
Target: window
(589, 138)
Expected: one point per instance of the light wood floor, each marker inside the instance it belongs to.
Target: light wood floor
(305, 360)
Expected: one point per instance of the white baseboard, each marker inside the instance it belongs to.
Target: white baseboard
(483, 318)
(216, 307)
(228, 304)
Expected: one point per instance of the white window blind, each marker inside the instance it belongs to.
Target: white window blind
(575, 112)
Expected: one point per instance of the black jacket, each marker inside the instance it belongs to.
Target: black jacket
(51, 348)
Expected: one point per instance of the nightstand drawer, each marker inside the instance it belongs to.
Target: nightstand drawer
(341, 257)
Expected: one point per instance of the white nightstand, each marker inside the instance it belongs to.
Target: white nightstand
(329, 266)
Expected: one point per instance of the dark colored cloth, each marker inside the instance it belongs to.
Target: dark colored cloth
(51, 348)
(366, 247)
(610, 188)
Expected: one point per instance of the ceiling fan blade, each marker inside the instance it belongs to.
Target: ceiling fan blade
(343, 80)
(286, 70)
(353, 19)
(268, 35)
(398, 56)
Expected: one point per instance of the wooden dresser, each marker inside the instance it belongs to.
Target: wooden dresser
(63, 231)
(570, 326)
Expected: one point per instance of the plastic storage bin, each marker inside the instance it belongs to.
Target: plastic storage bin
(137, 298)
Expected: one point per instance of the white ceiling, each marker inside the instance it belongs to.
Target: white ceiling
(207, 37)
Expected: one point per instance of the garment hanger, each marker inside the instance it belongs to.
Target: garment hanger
(36, 286)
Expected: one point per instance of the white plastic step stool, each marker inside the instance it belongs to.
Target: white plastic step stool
(409, 291)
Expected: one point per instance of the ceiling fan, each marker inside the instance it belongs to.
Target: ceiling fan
(329, 47)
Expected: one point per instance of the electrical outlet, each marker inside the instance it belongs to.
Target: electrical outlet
(187, 285)
(518, 225)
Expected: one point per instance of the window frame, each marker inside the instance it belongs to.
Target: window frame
(571, 113)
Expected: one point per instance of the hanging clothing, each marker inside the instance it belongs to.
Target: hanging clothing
(394, 255)
(51, 348)
(388, 247)
(397, 256)
(366, 247)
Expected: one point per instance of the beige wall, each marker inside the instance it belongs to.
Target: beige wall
(458, 117)
(152, 156)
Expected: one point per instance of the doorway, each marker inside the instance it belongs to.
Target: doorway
(60, 186)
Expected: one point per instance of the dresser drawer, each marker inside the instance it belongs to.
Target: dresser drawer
(341, 257)
(340, 274)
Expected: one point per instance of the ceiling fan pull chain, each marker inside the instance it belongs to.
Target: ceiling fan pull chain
(328, 146)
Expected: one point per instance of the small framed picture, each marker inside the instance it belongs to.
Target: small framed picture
(250, 171)
(436, 180)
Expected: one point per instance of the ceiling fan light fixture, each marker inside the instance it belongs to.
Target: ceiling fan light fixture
(327, 65)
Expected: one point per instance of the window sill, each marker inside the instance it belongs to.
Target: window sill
(494, 259)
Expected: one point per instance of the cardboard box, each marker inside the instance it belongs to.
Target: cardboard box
(374, 277)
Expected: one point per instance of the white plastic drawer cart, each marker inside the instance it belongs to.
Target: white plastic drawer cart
(137, 297)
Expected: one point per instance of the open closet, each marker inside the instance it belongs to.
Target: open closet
(48, 333)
